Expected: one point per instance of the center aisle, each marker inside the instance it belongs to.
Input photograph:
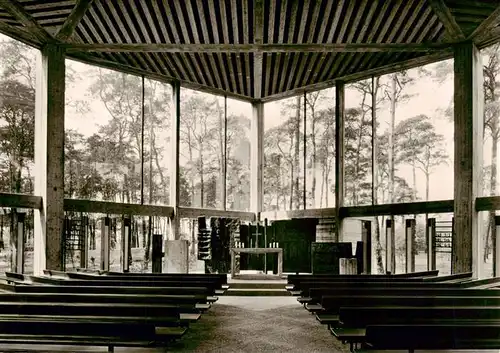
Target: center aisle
(257, 324)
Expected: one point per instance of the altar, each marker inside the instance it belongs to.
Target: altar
(235, 251)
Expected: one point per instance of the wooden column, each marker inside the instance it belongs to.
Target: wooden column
(126, 253)
(366, 234)
(431, 248)
(174, 149)
(49, 159)
(468, 118)
(339, 155)
(411, 229)
(257, 158)
(390, 255)
(105, 243)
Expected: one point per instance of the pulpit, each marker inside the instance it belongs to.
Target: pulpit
(235, 251)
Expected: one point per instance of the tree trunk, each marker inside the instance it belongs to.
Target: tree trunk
(391, 158)
(314, 157)
(297, 154)
(378, 249)
(202, 186)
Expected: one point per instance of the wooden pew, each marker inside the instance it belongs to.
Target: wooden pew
(314, 295)
(158, 288)
(197, 301)
(354, 320)
(338, 282)
(294, 281)
(90, 332)
(137, 283)
(332, 304)
(453, 336)
(221, 280)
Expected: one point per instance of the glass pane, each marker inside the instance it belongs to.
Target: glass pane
(320, 152)
(283, 155)
(157, 142)
(17, 116)
(103, 134)
(415, 134)
(201, 149)
(358, 144)
(13, 221)
(239, 115)
(491, 70)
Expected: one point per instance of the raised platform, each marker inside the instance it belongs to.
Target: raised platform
(257, 284)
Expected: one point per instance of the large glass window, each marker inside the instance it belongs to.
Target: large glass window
(358, 143)
(239, 116)
(320, 148)
(283, 155)
(103, 134)
(17, 139)
(201, 149)
(157, 142)
(17, 116)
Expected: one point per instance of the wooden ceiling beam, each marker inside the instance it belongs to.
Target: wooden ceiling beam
(19, 13)
(74, 18)
(450, 24)
(256, 48)
(258, 35)
(485, 27)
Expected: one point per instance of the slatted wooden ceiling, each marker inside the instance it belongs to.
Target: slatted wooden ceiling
(252, 72)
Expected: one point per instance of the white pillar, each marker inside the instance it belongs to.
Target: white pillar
(49, 159)
(257, 158)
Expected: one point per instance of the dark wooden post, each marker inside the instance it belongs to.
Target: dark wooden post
(105, 243)
(430, 233)
(390, 256)
(17, 242)
(157, 253)
(468, 121)
(83, 232)
(366, 233)
(126, 254)
(410, 245)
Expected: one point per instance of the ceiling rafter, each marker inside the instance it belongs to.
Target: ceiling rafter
(258, 26)
(74, 18)
(450, 24)
(256, 48)
(485, 26)
(18, 12)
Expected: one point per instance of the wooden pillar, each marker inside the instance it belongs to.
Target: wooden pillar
(410, 245)
(174, 150)
(17, 242)
(126, 254)
(390, 256)
(105, 243)
(431, 244)
(49, 159)
(157, 253)
(366, 233)
(468, 119)
(257, 158)
(339, 155)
